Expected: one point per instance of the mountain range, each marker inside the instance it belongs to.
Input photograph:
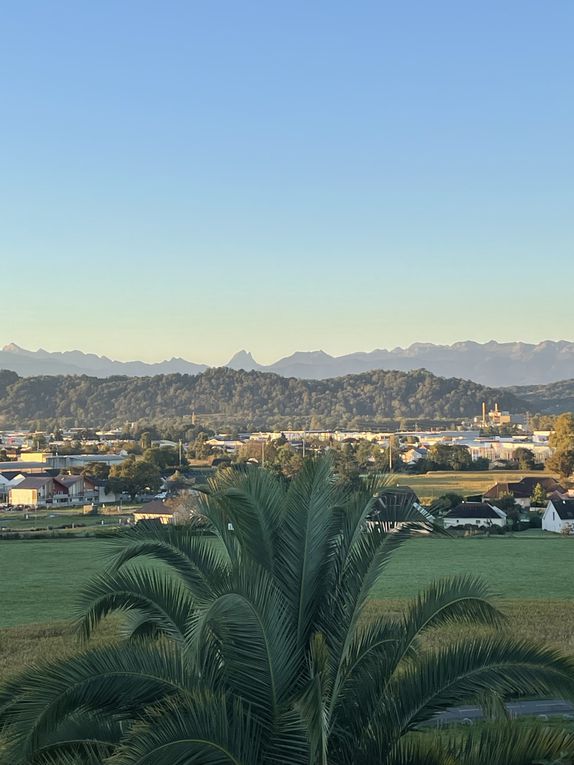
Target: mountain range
(491, 363)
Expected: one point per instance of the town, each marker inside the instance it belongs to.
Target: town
(495, 481)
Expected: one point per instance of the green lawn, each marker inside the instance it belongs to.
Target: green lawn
(521, 566)
(40, 578)
(21, 521)
(39, 581)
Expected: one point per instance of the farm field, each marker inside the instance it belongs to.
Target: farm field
(429, 486)
(40, 578)
(530, 572)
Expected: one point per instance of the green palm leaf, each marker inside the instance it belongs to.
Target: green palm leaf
(196, 729)
(303, 544)
(158, 599)
(186, 550)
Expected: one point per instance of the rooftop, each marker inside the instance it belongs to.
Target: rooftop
(475, 510)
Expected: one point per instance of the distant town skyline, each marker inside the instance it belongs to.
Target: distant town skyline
(189, 179)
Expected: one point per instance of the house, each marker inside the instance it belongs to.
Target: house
(413, 455)
(523, 490)
(479, 514)
(8, 479)
(395, 507)
(78, 490)
(548, 483)
(35, 491)
(559, 516)
(164, 512)
(41, 490)
(520, 494)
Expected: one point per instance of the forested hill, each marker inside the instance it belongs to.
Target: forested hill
(254, 397)
(552, 398)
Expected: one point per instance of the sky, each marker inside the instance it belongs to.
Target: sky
(192, 178)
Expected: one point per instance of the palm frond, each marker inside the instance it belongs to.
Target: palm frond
(200, 561)
(202, 728)
(461, 599)
(253, 504)
(81, 738)
(303, 543)
(118, 681)
(247, 634)
(466, 669)
(313, 702)
(158, 599)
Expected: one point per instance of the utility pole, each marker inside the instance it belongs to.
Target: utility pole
(262, 453)
(390, 453)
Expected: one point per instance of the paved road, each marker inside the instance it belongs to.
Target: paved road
(541, 709)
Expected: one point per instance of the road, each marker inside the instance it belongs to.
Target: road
(540, 709)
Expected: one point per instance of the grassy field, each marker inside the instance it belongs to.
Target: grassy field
(530, 572)
(40, 578)
(428, 486)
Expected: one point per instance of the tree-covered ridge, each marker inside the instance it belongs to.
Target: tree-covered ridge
(552, 398)
(257, 397)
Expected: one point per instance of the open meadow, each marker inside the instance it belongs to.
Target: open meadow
(530, 572)
(429, 486)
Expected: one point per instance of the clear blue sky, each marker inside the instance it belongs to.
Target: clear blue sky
(189, 178)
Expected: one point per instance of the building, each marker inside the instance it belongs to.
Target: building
(52, 491)
(414, 455)
(520, 494)
(164, 512)
(34, 491)
(559, 516)
(397, 507)
(548, 484)
(497, 418)
(479, 514)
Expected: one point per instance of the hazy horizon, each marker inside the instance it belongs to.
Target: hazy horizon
(220, 361)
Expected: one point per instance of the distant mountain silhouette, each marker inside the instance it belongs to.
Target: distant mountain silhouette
(41, 362)
(492, 363)
(244, 360)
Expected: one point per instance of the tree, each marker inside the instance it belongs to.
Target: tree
(525, 459)
(199, 449)
(562, 437)
(162, 458)
(134, 477)
(561, 462)
(446, 502)
(508, 504)
(539, 498)
(562, 441)
(96, 470)
(265, 654)
(445, 457)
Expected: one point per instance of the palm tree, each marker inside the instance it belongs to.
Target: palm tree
(252, 645)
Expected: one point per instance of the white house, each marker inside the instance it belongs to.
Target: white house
(559, 516)
(474, 514)
(7, 481)
(413, 455)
